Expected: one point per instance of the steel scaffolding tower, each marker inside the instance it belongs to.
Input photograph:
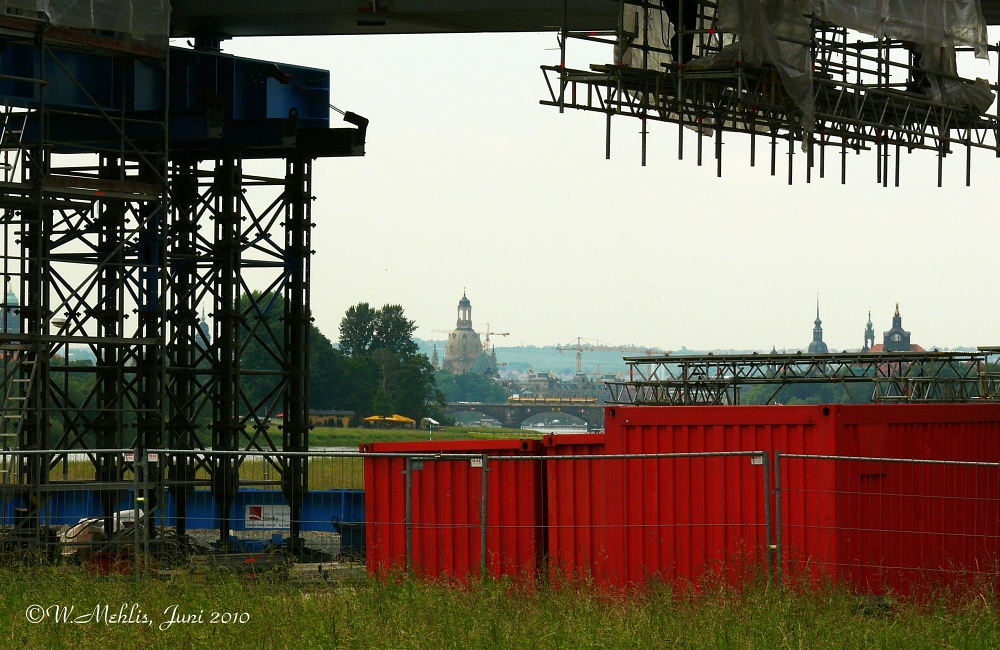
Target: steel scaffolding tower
(141, 184)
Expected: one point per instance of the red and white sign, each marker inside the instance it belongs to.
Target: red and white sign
(267, 516)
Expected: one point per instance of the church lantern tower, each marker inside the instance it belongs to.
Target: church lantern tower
(869, 334)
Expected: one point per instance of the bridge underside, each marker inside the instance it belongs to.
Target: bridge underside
(297, 17)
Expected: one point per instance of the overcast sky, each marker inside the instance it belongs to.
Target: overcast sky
(469, 183)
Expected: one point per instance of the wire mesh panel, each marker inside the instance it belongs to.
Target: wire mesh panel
(882, 524)
(83, 517)
(680, 518)
(454, 514)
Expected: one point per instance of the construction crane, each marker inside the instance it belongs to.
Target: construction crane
(583, 345)
(489, 332)
(486, 340)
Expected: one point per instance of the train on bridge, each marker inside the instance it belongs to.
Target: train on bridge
(517, 400)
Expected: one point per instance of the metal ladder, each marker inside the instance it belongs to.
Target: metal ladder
(12, 126)
(18, 379)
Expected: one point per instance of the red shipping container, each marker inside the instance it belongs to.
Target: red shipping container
(875, 525)
(446, 507)
(584, 540)
(624, 520)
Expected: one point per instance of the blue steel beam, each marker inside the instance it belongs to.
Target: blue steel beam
(217, 101)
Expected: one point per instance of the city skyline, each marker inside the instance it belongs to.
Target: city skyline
(468, 182)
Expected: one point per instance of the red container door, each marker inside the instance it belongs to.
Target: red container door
(385, 514)
(584, 531)
(446, 505)
(446, 497)
(915, 526)
(692, 518)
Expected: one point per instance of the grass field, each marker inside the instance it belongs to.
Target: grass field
(494, 614)
(334, 437)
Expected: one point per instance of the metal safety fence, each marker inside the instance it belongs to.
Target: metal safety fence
(132, 510)
(880, 524)
(616, 519)
(573, 511)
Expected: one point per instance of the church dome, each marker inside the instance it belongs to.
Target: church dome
(484, 364)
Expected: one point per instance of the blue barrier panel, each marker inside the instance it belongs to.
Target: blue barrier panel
(321, 506)
(252, 509)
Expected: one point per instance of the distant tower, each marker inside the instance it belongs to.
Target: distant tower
(896, 339)
(464, 313)
(869, 334)
(818, 346)
(10, 317)
(205, 334)
(464, 345)
(434, 359)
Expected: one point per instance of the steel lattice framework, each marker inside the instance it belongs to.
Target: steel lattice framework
(864, 94)
(132, 198)
(893, 377)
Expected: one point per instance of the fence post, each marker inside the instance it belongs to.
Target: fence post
(777, 508)
(145, 513)
(409, 514)
(135, 510)
(768, 528)
(482, 518)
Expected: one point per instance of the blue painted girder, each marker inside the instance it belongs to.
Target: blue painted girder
(217, 101)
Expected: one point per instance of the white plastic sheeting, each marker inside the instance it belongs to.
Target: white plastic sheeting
(937, 23)
(655, 33)
(778, 32)
(143, 20)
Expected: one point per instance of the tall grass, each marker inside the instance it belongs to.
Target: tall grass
(494, 614)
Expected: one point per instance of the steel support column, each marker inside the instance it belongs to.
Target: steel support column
(226, 278)
(298, 227)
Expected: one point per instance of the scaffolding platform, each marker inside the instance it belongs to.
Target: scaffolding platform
(868, 94)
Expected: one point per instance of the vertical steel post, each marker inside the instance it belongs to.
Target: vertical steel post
(146, 512)
(409, 514)
(135, 510)
(227, 192)
(777, 511)
(109, 314)
(187, 347)
(562, 57)
(483, 506)
(296, 322)
(768, 529)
